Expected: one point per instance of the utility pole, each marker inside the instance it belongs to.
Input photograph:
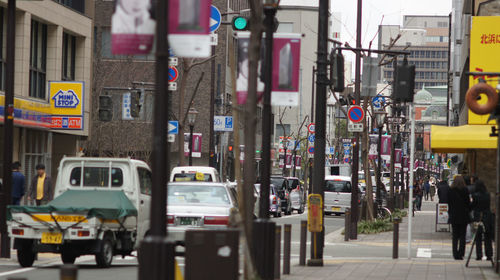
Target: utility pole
(264, 229)
(355, 151)
(317, 238)
(211, 142)
(8, 118)
(156, 257)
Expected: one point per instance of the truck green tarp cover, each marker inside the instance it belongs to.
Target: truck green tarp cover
(100, 204)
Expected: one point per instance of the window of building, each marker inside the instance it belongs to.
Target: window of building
(38, 61)
(442, 24)
(77, 5)
(282, 130)
(68, 57)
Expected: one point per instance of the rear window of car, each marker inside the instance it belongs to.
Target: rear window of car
(294, 183)
(189, 194)
(96, 177)
(278, 182)
(187, 177)
(337, 186)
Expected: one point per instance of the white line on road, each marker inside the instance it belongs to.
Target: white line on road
(21, 270)
(424, 253)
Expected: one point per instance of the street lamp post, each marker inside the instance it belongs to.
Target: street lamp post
(285, 146)
(380, 119)
(191, 121)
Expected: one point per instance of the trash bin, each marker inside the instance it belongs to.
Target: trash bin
(212, 254)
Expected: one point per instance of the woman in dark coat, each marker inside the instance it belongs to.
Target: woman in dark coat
(459, 207)
(481, 208)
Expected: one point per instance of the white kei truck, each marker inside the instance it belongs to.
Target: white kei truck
(101, 207)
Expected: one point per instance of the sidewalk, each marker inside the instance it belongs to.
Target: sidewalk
(431, 256)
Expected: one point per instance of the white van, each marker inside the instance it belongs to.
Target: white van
(337, 194)
(188, 173)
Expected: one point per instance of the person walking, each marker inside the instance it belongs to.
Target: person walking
(459, 207)
(417, 193)
(18, 183)
(443, 190)
(427, 189)
(482, 213)
(433, 191)
(40, 187)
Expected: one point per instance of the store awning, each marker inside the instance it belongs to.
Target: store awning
(458, 139)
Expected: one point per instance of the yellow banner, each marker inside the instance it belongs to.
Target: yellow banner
(484, 56)
(66, 98)
(59, 218)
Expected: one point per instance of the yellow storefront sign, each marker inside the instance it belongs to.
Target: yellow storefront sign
(484, 50)
(66, 98)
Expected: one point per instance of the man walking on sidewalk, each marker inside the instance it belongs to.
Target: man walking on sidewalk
(41, 187)
(459, 207)
(18, 183)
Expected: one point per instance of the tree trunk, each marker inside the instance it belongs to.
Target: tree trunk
(366, 165)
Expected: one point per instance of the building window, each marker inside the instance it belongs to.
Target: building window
(68, 57)
(282, 130)
(77, 5)
(38, 61)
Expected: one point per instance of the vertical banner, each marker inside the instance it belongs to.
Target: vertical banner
(386, 145)
(298, 162)
(189, 27)
(373, 152)
(132, 27)
(285, 72)
(397, 155)
(289, 159)
(196, 145)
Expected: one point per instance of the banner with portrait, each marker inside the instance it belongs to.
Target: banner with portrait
(132, 27)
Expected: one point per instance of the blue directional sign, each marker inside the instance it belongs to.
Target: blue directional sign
(215, 18)
(311, 138)
(173, 127)
(378, 101)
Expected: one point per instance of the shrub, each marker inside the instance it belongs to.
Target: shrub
(375, 226)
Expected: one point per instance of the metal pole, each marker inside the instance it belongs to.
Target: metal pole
(390, 201)
(277, 252)
(264, 229)
(355, 155)
(322, 82)
(191, 127)
(68, 272)
(8, 128)
(347, 224)
(395, 239)
(380, 165)
(410, 184)
(303, 241)
(156, 257)
(286, 248)
(285, 144)
(211, 142)
(312, 93)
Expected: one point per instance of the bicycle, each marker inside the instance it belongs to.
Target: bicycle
(383, 213)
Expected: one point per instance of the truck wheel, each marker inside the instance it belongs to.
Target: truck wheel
(105, 255)
(25, 254)
(68, 257)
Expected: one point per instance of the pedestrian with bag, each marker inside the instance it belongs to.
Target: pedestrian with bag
(459, 207)
(18, 183)
(482, 214)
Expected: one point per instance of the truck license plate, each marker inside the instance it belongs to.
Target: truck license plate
(51, 237)
(335, 208)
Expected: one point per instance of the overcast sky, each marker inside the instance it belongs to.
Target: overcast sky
(376, 12)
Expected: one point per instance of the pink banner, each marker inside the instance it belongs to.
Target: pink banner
(197, 137)
(386, 145)
(397, 155)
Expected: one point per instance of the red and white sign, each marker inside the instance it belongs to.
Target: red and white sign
(356, 114)
(67, 122)
(311, 128)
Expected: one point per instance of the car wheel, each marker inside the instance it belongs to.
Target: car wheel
(301, 210)
(25, 254)
(105, 255)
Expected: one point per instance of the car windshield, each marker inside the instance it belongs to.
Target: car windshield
(386, 174)
(294, 183)
(195, 194)
(186, 177)
(337, 186)
(278, 182)
(96, 177)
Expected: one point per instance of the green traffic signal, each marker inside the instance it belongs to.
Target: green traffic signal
(239, 24)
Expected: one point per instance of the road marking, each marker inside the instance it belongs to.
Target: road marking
(21, 270)
(424, 253)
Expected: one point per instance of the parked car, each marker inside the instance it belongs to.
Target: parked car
(274, 200)
(198, 205)
(338, 194)
(194, 173)
(297, 194)
(283, 190)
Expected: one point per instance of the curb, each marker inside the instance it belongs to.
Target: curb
(335, 236)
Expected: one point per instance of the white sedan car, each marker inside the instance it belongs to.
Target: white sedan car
(196, 205)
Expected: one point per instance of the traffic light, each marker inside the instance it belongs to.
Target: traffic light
(337, 71)
(404, 82)
(135, 103)
(105, 108)
(240, 23)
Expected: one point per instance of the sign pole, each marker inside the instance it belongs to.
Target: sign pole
(412, 163)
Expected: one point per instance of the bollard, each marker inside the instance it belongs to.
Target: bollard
(395, 239)
(263, 238)
(347, 224)
(69, 272)
(286, 249)
(303, 242)
(277, 252)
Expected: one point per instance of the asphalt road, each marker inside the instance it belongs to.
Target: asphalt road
(48, 265)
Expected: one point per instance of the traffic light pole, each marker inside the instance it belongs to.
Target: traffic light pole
(264, 229)
(322, 82)
(8, 129)
(156, 256)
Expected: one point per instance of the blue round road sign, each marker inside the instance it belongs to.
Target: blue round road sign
(310, 150)
(173, 74)
(346, 160)
(215, 18)
(356, 114)
(311, 138)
